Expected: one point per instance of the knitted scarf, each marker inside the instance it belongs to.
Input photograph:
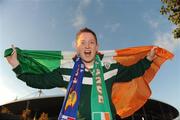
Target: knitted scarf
(99, 98)
(70, 105)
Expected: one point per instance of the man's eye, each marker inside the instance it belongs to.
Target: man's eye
(82, 42)
(92, 42)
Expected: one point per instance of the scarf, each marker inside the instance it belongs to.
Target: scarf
(99, 98)
(70, 105)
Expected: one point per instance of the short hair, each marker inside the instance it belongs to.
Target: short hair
(82, 30)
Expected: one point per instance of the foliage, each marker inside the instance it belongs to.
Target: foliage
(171, 9)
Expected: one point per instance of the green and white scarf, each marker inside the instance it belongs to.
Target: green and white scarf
(99, 98)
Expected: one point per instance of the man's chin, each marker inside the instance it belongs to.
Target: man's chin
(88, 61)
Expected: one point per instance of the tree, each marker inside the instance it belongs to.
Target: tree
(171, 9)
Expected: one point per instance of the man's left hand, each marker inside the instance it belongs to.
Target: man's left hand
(152, 54)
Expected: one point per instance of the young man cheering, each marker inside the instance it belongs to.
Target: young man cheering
(88, 79)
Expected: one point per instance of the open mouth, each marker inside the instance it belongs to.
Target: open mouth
(87, 52)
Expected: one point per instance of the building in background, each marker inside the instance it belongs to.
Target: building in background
(47, 108)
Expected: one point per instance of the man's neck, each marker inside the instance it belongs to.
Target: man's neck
(89, 65)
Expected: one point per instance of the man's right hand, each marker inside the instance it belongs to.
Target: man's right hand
(12, 59)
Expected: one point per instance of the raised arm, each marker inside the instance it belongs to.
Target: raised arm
(127, 73)
(41, 81)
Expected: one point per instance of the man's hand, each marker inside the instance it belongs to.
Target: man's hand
(12, 59)
(152, 54)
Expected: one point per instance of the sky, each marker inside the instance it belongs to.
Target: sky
(52, 25)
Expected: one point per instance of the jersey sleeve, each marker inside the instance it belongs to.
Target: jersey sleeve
(127, 73)
(41, 81)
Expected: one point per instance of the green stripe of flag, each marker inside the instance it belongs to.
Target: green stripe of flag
(37, 61)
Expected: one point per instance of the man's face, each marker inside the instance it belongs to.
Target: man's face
(86, 47)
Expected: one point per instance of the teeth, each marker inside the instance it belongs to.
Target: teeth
(87, 52)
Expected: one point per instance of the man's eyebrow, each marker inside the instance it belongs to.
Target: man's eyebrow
(91, 40)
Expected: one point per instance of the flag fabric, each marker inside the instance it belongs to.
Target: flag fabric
(127, 97)
(130, 96)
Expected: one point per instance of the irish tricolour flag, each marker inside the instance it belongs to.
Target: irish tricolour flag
(100, 116)
(127, 97)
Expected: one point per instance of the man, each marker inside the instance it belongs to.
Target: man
(96, 86)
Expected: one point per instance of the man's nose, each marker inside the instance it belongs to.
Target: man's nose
(87, 45)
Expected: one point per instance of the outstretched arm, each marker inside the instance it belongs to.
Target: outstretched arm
(41, 81)
(127, 73)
